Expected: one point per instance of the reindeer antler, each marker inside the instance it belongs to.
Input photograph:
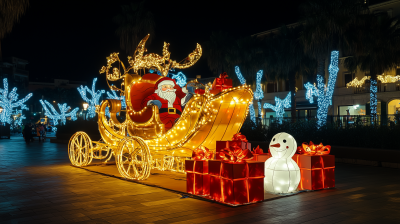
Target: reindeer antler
(162, 63)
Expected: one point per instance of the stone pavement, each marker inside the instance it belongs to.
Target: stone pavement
(38, 185)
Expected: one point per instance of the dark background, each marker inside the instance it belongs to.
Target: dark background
(71, 39)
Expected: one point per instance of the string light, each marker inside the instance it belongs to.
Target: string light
(9, 101)
(373, 97)
(357, 83)
(55, 116)
(280, 105)
(180, 79)
(388, 78)
(258, 95)
(94, 101)
(311, 92)
(324, 93)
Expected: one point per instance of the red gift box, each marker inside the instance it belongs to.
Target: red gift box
(197, 177)
(236, 183)
(221, 83)
(261, 157)
(199, 91)
(226, 144)
(317, 171)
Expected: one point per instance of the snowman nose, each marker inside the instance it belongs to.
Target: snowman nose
(277, 145)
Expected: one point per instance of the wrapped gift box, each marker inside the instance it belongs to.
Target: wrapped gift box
(199, 91)
(236, 183)
(221, 83)
(197, 177)
(317, 171)
(261, 157)
(226, 144)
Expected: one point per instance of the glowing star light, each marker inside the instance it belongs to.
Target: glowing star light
(322, 92)
(180, 79)
(55, 116)
(258, 95)
(7, 101)
(280, 105)
(95, 97)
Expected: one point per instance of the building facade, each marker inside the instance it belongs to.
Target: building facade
(346, 101)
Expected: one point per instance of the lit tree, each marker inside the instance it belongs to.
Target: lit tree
(9, 101)
(18, 117)
(280, 105)
(94, 101)
(322, 92)
(55, 116)
(258, 95)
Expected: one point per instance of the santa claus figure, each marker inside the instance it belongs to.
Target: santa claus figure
(169, 98)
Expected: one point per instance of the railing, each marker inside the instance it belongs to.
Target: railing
(382, 87)
(340, 121)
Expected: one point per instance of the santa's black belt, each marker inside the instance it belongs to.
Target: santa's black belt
(170, 110)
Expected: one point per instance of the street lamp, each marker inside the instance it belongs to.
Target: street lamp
(85, 107)
(1, 110)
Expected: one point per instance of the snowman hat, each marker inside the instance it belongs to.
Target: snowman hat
(164, 81)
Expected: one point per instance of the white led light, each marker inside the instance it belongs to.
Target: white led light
(280, 105)
(7, 102)
(95, 97)
(59, 116)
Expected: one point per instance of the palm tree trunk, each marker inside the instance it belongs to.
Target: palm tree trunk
(321, 67)
(292, 89)
(373, 102)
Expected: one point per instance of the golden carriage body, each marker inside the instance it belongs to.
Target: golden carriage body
(141, 143)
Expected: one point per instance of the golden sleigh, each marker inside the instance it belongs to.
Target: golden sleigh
(141, 143)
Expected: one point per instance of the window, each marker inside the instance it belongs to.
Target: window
(271, 87)
(348, 78)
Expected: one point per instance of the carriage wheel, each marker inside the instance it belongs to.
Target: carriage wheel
(100, 152)
(80, 149)
(133, 158)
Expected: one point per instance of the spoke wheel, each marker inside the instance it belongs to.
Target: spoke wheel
(100, 152)
(133, 158)
(80, 149)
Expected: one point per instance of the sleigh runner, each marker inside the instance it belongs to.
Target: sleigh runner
(142, 142)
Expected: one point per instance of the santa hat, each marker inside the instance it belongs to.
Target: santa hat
(164, 81)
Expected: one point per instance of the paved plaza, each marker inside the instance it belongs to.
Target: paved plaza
(38, 185)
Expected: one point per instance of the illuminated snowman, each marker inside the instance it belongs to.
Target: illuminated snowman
(282, 174)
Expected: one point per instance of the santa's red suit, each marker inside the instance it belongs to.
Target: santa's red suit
(169, 110)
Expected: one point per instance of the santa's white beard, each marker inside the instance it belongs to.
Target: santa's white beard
(168, 95)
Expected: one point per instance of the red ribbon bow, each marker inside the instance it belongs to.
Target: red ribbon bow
(258, 150)
(311, 149)
(235, 154)
(239, 137)
(202, 153)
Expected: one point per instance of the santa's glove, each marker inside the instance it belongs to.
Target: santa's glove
(155, 102)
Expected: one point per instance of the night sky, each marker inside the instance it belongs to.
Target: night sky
(71, 39)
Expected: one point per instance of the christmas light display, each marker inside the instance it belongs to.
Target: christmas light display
(258, 95)
(55, 116)
(141, 142)
(113, 95)
(388, 78)
(280, 105)
(8, 101)
(18, 117)
(373, 97)
(94, 101)
(180, 79)
(324, 93)
(311, 92)
(357, 83)
(282, 174)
